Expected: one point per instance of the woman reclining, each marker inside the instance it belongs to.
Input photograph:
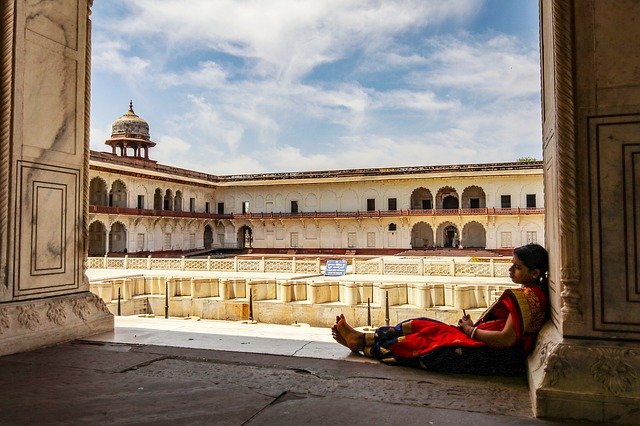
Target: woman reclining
(496, 344)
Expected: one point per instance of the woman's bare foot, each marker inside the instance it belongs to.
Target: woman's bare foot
(353, 339)
(337, 336)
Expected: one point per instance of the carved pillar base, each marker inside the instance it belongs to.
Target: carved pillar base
(36, 323)
(595, 380)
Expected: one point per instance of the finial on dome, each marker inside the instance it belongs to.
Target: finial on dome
(131, 105)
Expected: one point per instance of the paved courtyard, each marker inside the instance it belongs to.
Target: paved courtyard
(179, 371)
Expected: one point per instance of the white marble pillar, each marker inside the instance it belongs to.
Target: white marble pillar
(587, 361)
(44, 139)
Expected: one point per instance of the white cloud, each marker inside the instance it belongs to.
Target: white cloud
(286, 39)
(110, 56)
(498, 66)
(208, 75)
(413, 100)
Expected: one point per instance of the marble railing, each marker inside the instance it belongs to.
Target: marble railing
(379, 266)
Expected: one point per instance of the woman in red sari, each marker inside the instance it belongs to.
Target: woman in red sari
(496, 344)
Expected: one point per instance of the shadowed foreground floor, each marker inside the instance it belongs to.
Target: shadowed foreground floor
(95, 381)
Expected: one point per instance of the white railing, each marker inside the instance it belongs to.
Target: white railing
(380, 266)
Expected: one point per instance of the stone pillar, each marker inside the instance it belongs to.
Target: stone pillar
(586, 364)
(44, 169)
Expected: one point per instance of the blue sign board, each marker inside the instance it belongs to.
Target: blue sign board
(335, 268)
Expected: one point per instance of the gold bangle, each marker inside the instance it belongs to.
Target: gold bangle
(473, 332)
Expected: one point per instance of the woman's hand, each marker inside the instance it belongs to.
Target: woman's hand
(465, 324)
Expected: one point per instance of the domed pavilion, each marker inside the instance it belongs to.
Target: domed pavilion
(130, 132)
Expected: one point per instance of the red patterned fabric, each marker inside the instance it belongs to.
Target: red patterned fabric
(432, 344)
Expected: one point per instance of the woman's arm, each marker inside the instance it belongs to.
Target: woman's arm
(504, 338)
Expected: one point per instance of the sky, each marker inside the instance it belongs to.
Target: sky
(257, 86)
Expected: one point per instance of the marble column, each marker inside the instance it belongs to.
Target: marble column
(44, 142)
(587, 361)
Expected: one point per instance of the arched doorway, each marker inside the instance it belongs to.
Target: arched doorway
(208, 237)
(168, 200)
(450, 236)
(245, 237)
(118, 194)
(474, 235)
(118, 238)
(177, 202)
(447, 198)
(421, 235)
(157, 199)
(421, 199)
(447, 235)
(98, 195)
(97, 239)
(473, 197)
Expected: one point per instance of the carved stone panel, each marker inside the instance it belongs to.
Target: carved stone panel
(48, 223)
(615, 223)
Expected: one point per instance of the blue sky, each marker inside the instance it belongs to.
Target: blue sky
(231, 86)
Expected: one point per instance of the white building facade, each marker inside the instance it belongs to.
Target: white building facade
(139, 206)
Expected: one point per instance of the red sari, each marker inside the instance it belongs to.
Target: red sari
(433, 345)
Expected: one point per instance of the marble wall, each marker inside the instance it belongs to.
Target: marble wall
(44, 294)
(587, 363)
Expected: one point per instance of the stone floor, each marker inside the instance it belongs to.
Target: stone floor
(177, 371)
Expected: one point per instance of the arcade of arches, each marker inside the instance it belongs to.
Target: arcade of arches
(318, 215)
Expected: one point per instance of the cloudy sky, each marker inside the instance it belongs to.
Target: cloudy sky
(250, 86)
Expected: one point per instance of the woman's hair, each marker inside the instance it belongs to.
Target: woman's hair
(534, 256)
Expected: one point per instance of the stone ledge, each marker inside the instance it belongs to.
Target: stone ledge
(32, 324)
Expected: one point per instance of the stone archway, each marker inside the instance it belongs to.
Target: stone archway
(98, 194)
(97, 239)
(422, 235)
(421, 199)
(473, 236)
(118, 194)
(157, 199)
(447, 235)
(245, 237)
(447, 198)
(208, 237)
(118, 238)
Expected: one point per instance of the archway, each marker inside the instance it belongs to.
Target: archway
(474, 197)
(118, 194)
(422, 235)
(474, 235)
(447, 235)
(118, 238)
(208, 237)
(447, 198)
(98, 195)
(157, 199)
(97, 239)
(177, 202)
(421, 199)
(168, 200)
(245, 237)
